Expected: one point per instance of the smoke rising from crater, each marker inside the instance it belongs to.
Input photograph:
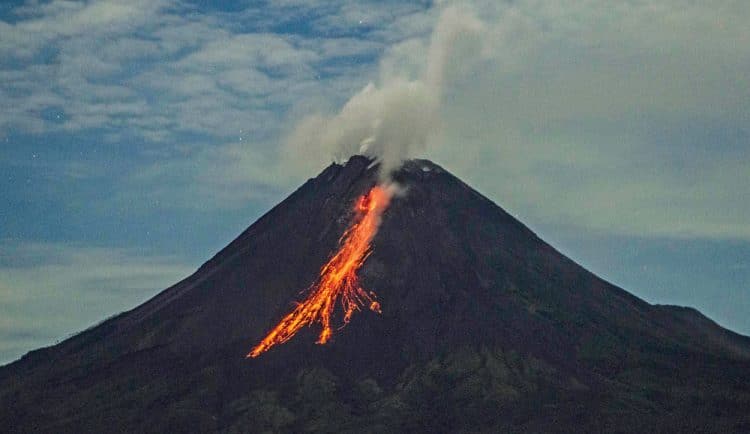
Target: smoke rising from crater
(396, 118)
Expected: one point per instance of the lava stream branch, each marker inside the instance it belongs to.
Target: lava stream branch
(338, 280)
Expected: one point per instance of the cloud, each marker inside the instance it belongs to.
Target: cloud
(48, 290)
(158, 71)
(628, 119)
(358, 17)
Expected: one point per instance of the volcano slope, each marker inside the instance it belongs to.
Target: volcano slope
(484, 328)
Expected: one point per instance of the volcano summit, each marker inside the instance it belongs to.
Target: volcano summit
(483, 328)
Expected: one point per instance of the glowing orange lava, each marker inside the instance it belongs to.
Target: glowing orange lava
(338, 278)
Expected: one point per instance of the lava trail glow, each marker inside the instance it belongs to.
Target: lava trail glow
(338, 278)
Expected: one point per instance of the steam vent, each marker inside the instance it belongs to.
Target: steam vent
(480, 326)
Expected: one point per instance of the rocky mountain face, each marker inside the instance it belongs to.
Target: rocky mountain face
(484, 328)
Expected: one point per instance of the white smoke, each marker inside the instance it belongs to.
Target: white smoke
(396, 118)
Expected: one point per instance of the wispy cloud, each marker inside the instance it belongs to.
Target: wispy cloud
(155, 69)
(183, 89)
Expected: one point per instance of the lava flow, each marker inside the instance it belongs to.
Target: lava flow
(338, 278)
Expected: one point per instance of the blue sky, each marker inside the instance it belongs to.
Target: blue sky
(137, 138)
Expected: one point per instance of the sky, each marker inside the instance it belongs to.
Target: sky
(139, 137)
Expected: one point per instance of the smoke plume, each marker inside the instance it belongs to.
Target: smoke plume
(396, 118)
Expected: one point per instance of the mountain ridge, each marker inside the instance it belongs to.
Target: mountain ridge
(479, 315)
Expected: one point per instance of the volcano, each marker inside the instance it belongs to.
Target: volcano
(481, 327)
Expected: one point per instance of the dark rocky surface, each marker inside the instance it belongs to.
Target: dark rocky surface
(485, 328)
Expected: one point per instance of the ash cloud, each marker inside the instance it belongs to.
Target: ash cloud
(397, 117)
